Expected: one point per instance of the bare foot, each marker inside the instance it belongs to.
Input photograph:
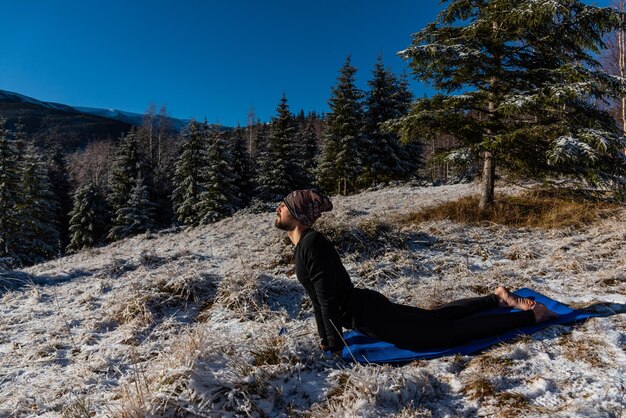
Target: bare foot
(511, 300)
(542, 313)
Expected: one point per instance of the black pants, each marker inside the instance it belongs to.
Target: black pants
(414, 328)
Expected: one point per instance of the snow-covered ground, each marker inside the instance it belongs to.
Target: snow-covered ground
(212, 322)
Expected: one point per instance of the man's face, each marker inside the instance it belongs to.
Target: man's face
(284, 218)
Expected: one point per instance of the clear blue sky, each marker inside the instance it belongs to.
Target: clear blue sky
(200, 58)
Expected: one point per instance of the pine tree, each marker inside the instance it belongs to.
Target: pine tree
(384, 157)
(241, 165)
(277, 172)
(341, 158)
(410, 149)
(189, 175)
(307, 151)
(127, 168)
(530, 78)
(156, 150)
(218, 198)
(59, 178)
(88, 225)
(9, 191)
(38, 235)
(137, 216)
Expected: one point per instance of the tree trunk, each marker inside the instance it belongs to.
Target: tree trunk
(621, 38)
(488, 181)
(489, 164)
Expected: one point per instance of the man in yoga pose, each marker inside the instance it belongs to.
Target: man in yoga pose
(337, 303)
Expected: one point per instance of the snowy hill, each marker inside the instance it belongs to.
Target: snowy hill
(212, 322)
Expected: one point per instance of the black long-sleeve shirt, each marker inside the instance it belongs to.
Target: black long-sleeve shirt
(326, 281)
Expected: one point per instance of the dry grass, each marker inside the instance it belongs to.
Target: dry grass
(241, 294)
(137, 308)
(535, 209)
(80, 407)
(480, 383)
(586, 350)
(375, 391)
(269, 352)
(367, 238)
(478, 387)
(135, 395)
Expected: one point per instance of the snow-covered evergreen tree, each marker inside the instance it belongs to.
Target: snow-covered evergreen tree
(519, 82)
(306, 152)
(9, 198)
(137, 216)
(340, 159)
(88, 222)
(157, 150)
(218, 197)
(410, 148)
(38, 235)
(59, 178)
(241, 165)
(277, 171)
(190, 175)
(385, 100)
(126, 168)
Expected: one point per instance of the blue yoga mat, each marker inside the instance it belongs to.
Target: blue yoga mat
(368, 350)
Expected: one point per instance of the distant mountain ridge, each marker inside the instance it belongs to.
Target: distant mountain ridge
(135, 119)
(70, 126)
(11, 97)
(54, 123)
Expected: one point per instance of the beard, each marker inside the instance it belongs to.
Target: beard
(285, 225)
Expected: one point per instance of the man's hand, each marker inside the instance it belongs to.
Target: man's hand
(333, 350)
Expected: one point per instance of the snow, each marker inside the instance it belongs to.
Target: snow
(569, 148)
(211, 321)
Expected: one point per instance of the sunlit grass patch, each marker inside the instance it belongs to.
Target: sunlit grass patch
(485, 381)
(587, 350)
(533, 209)
(375, 391)
(367, 238)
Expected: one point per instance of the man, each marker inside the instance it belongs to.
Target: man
(338, 304)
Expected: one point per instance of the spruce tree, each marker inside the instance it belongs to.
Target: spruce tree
(529, 78)
(88, 225)
(341, 159)
(384, 158)
(241, 165)
(189, 175)
(59, 178)
(9, 198)
(137, 216)
(277, 172)
(410, 149)
(157, 153)
(128, 166)
(218, 198)
(38, 235)
(307, 151)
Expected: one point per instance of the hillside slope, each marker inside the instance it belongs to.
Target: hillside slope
(211, 321)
